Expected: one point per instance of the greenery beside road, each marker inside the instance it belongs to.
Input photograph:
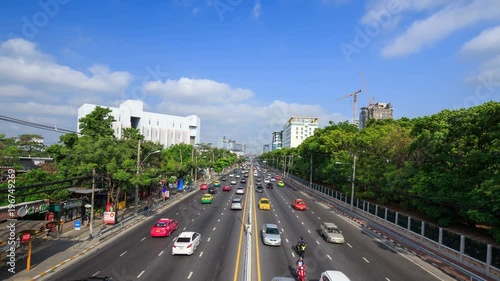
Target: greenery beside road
(445, 165)
(114, 160)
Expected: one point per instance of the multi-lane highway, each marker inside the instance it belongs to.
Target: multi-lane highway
(220, 256)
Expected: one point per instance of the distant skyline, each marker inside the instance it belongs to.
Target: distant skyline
(244, 67)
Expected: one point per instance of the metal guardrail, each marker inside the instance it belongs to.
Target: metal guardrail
(329, 199)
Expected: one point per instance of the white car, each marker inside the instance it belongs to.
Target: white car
(271, 235)
(233, 182)
(273, 179)
(240, 190)
(333, 275)
(231, 175)
(186, 243)
(267, 180)
(236, 204)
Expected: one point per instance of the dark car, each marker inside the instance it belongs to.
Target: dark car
(270, 185)
(212, 190)
(243, 181)
(259, 189)
(223, 178)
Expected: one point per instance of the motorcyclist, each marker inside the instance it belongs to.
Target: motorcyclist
(301, 245)
(300, 263)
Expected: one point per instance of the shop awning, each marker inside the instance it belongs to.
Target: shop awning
(22, 226)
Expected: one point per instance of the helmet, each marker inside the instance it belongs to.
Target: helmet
(301, 237)
(300, 258)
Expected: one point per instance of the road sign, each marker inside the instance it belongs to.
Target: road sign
(77, 224)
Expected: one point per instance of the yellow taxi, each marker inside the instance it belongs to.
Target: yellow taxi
(264, 204)
(207, 199)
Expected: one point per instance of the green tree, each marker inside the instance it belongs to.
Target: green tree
(98, 123)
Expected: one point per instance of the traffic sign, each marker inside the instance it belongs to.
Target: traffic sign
(77, 224)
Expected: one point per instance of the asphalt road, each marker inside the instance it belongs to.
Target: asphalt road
(137, 256)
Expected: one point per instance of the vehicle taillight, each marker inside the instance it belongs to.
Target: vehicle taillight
(189, 246)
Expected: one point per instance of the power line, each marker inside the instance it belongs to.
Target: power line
(36, 125)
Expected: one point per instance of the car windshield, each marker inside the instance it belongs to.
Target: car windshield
(332, 230)
(264, 201)
(183, 240)
(272, 231)
(161, 224)
(300, 202)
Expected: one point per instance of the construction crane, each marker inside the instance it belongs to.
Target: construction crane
(355, 97)
(370, 100)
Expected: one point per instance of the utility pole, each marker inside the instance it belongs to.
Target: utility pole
(311, 172)
(137, 185)
(353, 179)
(91, 218)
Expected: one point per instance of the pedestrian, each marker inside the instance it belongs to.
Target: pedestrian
(85, 220)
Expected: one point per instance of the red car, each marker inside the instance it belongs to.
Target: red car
(299, 204)
(203, 186)
(226, 188)
(277, 177)
(163, 227)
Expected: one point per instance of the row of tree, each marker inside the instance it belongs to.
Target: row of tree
(115, 161)
(445, 165)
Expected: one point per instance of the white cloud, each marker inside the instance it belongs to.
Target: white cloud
(487, 41)
(22, 62)
(257, 8)
(33, 85)
(425, 32)
(230, 112)
(197, 91)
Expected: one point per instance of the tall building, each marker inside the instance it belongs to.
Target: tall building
(377, 111)
(266, 148)
(277, 140)
(164, 129)
(297, 129)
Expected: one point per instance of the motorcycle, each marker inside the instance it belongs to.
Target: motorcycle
(301, 273)
(301, 249)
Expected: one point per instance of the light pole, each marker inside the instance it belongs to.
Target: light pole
(139, 164)
(353, 178)
(311, 172)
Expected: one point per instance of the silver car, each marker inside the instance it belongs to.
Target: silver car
(236, 204)
(271, 235)
(331, 233)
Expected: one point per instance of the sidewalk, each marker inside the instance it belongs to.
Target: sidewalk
(50, 253)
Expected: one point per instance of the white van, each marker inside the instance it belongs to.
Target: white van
(333, 275)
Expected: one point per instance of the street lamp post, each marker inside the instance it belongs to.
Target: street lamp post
(353, 178)
(139, 165)
(311, 172)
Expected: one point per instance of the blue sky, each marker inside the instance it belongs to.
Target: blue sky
(245, 66)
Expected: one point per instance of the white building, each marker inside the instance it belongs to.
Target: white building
(297, 129)
(160, 128)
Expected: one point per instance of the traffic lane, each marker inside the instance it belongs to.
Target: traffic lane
(369, 250)
(97, 261)
(348, 259)
(130, 256)
(273, 260)
(208, 262)
(293, 227)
